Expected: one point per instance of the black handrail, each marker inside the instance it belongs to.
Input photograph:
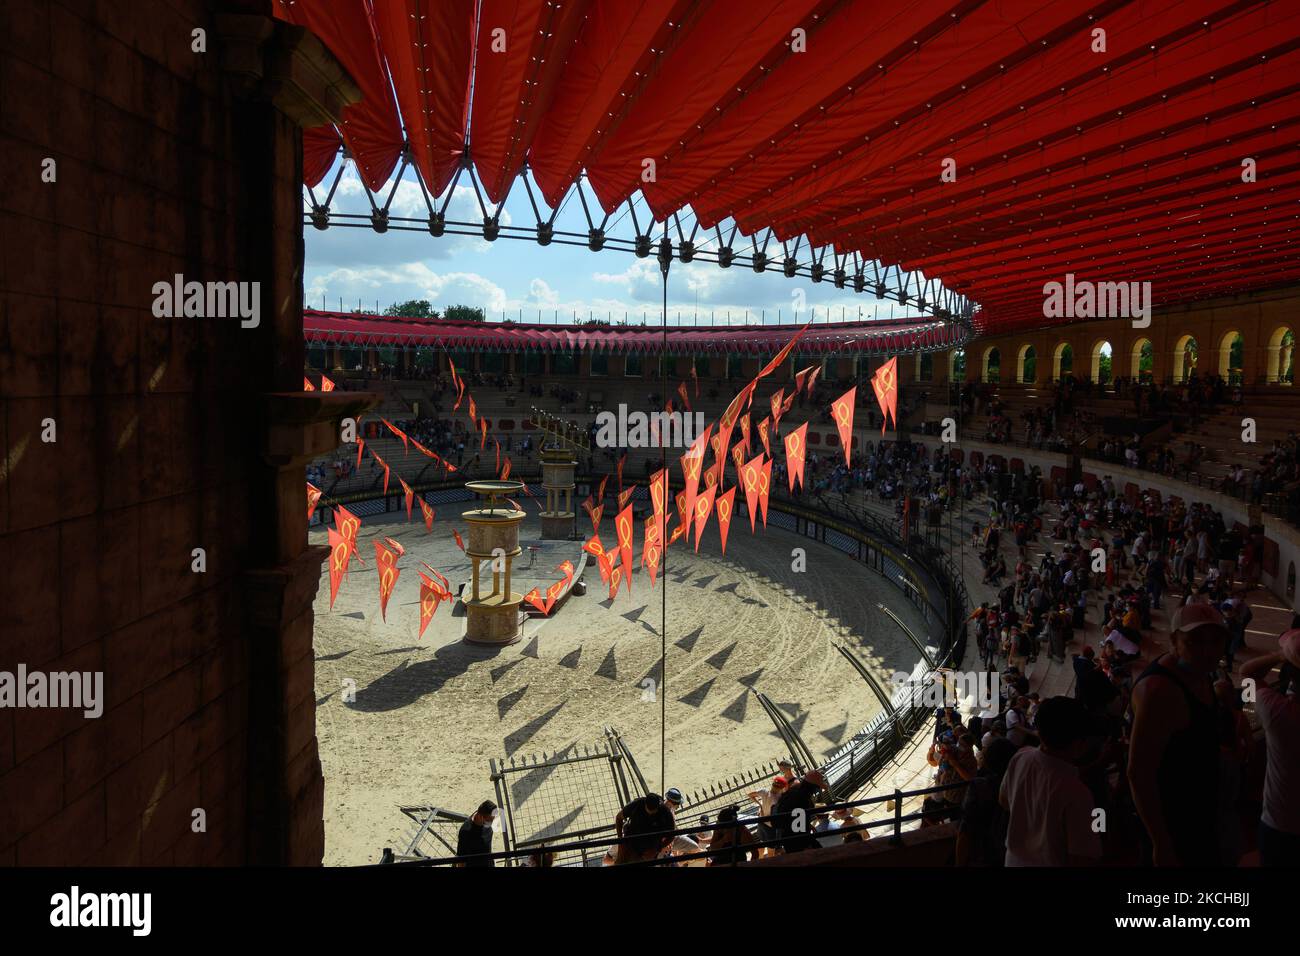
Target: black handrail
(895, 822)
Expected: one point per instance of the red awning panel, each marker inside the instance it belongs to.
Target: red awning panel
(1115, 155)
(429, 45)
(370, 128)
(320, 147)
(523, 46)
(611, 57)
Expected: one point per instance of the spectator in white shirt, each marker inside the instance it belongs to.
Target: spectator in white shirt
(1279, 714)
(1050, 807)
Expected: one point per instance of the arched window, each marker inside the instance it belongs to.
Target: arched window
(1232, 348)
(957, 365)
(1101, 364)
(1142, 368)
(1281, 351)
(1185, 351)
(992, 365)
(1027, 365)
(925, 367)
(1062, 361)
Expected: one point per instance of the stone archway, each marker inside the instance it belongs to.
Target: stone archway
(1185, 356)
(1231, 357)
(1101, 369)
(1142, 361)
(1062, 361)
(992, 367)
(1027, 365)
(1281, 352)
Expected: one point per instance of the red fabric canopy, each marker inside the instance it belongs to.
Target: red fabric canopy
(1103, 138)
(358, 330)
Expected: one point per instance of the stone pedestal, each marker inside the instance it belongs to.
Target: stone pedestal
(493, 617)
(558, 483)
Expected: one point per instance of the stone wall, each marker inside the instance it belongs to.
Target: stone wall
(165, 442)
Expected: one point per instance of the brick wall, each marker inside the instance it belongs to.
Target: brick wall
(161, 170)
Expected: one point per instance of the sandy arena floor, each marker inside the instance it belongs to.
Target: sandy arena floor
(428, 714)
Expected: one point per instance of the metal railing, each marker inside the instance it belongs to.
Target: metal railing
(783, 824)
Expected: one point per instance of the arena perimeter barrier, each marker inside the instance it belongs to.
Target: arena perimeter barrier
(595, 848)
(922, 573)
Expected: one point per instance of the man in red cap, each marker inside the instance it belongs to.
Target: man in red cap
(1279, 715)
(1173, 767)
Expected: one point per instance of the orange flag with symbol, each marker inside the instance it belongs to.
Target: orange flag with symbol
(750, 476)
(307, 386)
(348, 525)
(723, 507)
(764, 488)
(340, 555)
(410, 497)
(325, 384)
(624, 526)
(885, 384)
(693, 466)
(782, 355)
(778, 407)
(703, 508)
(399, 433)
(427, 512)
(384, 465)
(763, 428)
(794, 454)
(313, 496)
(842, 412)
(431, 595)
(460, 542)
(534, 597)
(625, 495)
(388, 574)
(651, 548)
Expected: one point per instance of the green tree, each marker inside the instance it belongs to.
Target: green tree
(464, 313)
(412, 309)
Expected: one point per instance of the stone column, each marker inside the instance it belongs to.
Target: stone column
(558, 470)
(493, 536)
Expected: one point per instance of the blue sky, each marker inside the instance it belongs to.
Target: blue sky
(361, 266)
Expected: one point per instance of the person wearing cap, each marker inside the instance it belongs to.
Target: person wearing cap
(1173, 767)
(474, 842)
(673, 799)
(1279, 715)
(645, 826)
